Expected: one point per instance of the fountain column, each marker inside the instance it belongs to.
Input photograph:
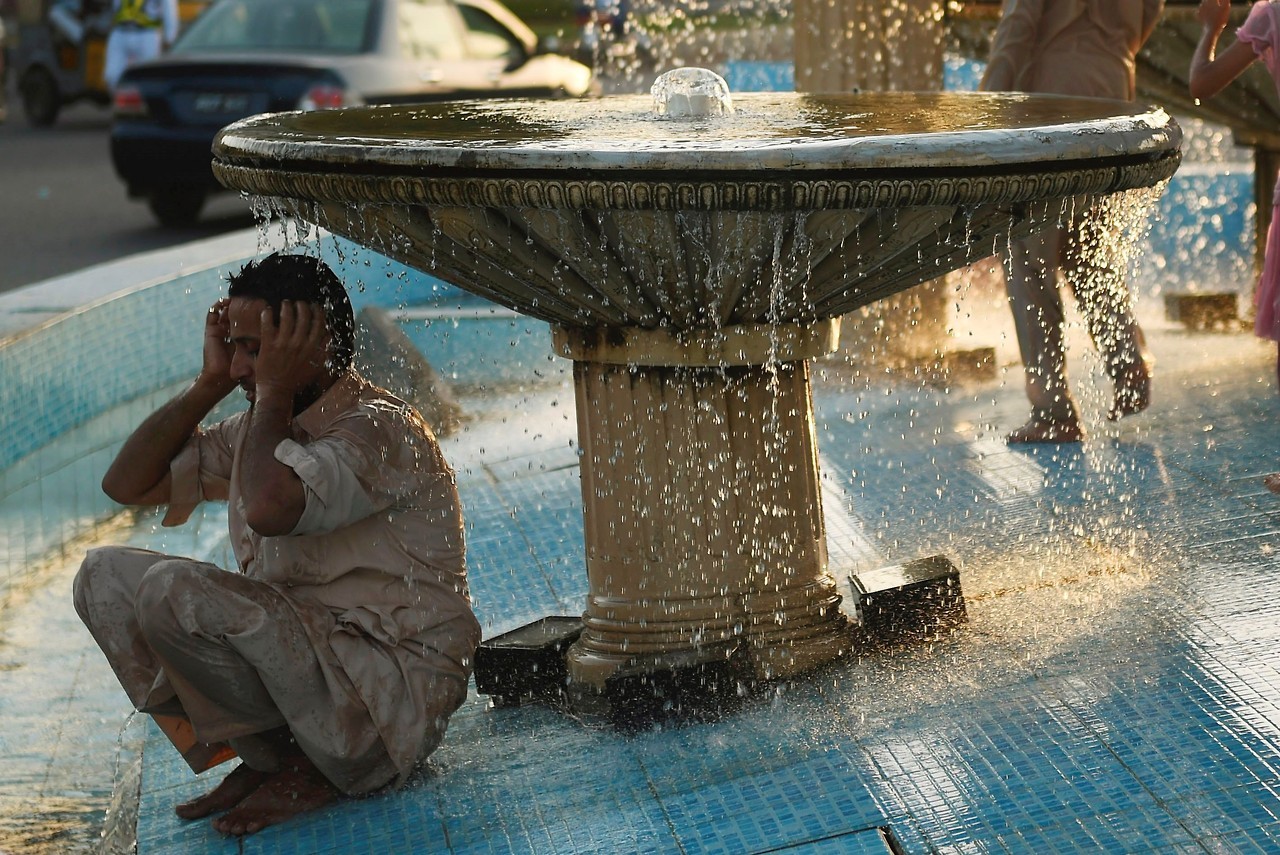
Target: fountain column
(702, 508)
(868, 45)
(880, 46)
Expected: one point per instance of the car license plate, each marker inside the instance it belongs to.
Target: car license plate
(222, 102)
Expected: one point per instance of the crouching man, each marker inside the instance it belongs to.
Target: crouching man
(331, 662)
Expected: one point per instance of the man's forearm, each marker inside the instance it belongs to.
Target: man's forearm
(273, 494)
(139, 473)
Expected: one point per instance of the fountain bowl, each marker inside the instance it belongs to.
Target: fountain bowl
(792, 209)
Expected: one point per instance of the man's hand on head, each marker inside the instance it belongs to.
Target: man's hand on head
(215, 372)
(289, 366)
(292, 354)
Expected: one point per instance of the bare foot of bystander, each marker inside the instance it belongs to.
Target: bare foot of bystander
(1133, 391)
(1040, 430)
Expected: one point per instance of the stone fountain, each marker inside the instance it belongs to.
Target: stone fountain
(693, 258)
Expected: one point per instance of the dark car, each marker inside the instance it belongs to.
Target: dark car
(243, 57)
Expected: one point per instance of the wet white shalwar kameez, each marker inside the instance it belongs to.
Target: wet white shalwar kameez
(355, 630)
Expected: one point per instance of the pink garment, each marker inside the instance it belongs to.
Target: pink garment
(1261, 31)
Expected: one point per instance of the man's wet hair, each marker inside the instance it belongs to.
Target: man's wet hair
(283, 276)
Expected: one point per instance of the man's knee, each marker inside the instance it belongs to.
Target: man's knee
(157, 594)
(86, 587)
(175, 592)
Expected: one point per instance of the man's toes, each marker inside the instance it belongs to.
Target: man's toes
(238, 784)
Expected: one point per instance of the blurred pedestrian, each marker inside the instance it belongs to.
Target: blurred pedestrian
(140, 30)
(1083, 48)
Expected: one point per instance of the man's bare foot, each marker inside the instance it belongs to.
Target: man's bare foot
(1043, 430)
(1133, 391)
(238, 784)
(296, 789)
(1272, 482)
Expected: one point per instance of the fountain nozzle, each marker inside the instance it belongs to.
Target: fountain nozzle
(691, 93)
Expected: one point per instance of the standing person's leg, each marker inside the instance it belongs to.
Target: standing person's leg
(126, 47)
(1031, 282)
(116, 58)
(150, 45)
(1093, 268)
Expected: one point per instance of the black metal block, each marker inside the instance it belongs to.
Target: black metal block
(915, 599)
(696, 692)
(1204, 311)
(527, 664)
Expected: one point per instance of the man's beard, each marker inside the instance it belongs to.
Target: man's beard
(303, 398)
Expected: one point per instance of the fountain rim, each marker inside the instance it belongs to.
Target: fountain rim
(501, 233)
(1130, 134)
(763, 193)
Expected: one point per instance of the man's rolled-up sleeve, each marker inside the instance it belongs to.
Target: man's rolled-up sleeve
(200, 472)
(335, 496)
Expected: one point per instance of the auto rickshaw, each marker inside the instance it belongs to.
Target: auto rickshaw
(60, 51)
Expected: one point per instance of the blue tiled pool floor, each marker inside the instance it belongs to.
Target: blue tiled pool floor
(1117, 686)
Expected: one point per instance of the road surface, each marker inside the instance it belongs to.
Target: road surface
(63, 209)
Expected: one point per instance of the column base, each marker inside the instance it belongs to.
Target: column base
(757, 657)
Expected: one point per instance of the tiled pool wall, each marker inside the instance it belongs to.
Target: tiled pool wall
(60, 385)
(66, 372)
(475, 346)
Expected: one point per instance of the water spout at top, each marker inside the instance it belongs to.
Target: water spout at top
(691, 93)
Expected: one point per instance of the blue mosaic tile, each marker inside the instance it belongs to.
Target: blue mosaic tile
(1182, 745)
(1225, 812)
(1257, 841)
(1006, 771)
(617, 823)
(159, 829)
(865, 842)
(821, 795)
(1103, 833)
(678, 758)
